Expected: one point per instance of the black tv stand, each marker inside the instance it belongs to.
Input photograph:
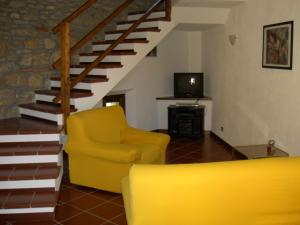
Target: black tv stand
(186, 121)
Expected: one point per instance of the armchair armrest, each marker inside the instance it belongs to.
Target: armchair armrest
(114, 152)
(133, 135)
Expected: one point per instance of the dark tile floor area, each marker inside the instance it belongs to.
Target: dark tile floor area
(80, 205)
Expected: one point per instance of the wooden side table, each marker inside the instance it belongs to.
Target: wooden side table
(260, 151)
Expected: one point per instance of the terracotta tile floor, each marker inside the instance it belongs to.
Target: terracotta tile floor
(86, 206)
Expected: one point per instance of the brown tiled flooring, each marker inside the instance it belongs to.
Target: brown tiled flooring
(81, 205)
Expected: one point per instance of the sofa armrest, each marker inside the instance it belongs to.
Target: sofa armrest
(126, 198)
(114, 152)
(134, 136)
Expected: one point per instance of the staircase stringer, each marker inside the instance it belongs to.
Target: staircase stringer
(116, 75)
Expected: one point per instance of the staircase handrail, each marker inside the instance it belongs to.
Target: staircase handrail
(94, 31)
(98, 60)
(66, 51)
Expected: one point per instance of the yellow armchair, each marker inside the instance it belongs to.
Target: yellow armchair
(256, 192)
(102, 148)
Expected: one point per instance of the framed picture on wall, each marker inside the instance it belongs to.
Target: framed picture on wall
(278, 45)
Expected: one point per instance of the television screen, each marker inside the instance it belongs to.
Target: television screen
(188, 85)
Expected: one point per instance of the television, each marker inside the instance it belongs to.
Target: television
(188, 85)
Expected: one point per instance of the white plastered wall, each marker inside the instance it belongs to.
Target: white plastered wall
(153, 77)
(252, 103)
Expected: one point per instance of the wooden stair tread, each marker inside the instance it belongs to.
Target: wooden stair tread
(47, 108)
(87, 79)
(28, 172)
(102, 65)
(148, 29)
(12, 199)
(143, 12)
(29, 218)
(13, 126)
(114, 52)
(134, 40)
(29, 148)
(74, 93)
(146, 20)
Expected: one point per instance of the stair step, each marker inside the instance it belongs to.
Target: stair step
(155, 14)
(24, 199)
(21, 149)
(102, 65)
(28, 219)
(74, 93)
(151, 22)
(134, 40)
(87, 79)
(114, 52)
(39, 101)
(132, 43)
(15, 126)
(114, 56)
(47, 108)
(89, 83)
(143, 12)
(28, 172)
(30, 148)
(53, 103)
(147, 20)
(148, 29)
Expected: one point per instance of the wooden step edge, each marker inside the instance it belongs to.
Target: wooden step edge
(126, 41)
(28, 219)
(143, 12)
(32, 144)
(29, 165)
(29, 172)
(53, 103)
(148, 29)
(30, 199)
(100, 66)
(73, 76)
(17, 149)
(118, 52)
(74, 93)
(146, 20)
(80, 90)
(46, 108)
(87, 80)
(42, 119)
(28, 125)
(113, 53)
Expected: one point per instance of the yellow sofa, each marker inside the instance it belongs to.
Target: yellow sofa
(102, 148)
(252, 192)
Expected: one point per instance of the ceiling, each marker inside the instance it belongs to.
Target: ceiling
(208, 3)
(204, 3)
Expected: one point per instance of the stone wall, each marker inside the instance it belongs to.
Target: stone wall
(28, 47)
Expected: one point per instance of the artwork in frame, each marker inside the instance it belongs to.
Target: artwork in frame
(278, 45)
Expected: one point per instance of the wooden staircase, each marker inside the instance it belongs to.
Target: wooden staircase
(30, 169)
(116, 64)
(31, 165)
